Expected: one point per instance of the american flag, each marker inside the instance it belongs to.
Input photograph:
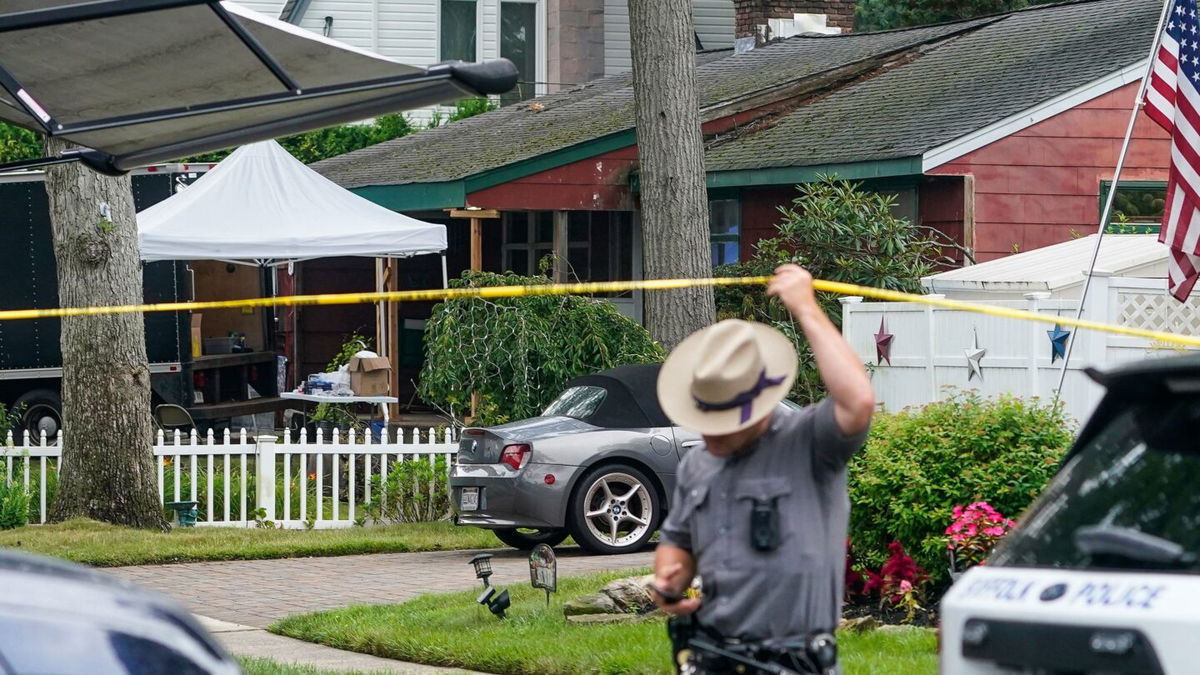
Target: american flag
(1173, 100)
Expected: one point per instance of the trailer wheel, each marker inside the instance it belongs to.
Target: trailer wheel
(42, 412)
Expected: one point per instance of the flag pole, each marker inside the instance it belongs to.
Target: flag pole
(1106, 212)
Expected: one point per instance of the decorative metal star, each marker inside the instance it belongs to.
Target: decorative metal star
(883, 344)
(1058, 342)
(974, 355)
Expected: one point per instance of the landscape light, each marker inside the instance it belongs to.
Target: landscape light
(483, 568)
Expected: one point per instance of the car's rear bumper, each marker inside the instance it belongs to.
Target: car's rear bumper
(510, 498)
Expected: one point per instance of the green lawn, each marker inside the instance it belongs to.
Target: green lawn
(106, 545)
(449, 629)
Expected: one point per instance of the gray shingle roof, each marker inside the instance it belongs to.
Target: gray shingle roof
(517, 132)
(965, 84)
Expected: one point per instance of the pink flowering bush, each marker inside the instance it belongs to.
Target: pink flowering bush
(974, 533)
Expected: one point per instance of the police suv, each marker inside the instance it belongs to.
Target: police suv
(1103, 573)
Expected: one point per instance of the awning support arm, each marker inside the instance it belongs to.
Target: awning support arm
(26, 100)
(256, 47)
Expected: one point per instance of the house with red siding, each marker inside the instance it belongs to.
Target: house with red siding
(1001, 132)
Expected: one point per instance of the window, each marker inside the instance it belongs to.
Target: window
(529, 238)
(1137, 207)
(1135, 478)
(518, 43)
(459, 27)
(578, 402)
(725, 226)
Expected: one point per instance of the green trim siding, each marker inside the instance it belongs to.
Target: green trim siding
(416, 196)
(453, 194)
(791, 175)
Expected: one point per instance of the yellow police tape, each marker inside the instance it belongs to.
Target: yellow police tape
(594, 287)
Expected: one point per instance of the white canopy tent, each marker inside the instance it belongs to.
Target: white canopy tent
(262, 206)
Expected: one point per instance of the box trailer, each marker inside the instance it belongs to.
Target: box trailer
(213, 388)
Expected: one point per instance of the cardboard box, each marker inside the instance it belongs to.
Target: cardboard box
(370, 376)
(197, 338)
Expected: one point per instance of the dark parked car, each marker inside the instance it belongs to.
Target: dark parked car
(598, 464)
(62, 618)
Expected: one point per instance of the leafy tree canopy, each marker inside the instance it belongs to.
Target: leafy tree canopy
(839, 232)
(517, 353)
(885, 14)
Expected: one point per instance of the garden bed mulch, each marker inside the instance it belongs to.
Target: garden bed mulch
(887, 615)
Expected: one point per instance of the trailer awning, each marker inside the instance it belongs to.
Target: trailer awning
(145, 81)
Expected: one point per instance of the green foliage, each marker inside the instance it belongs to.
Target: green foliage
(884, 14)
(14, 502)
(468, 107)
(414, 491)
(839, 232)
(920, 463)
(519, 352)
(17, 143)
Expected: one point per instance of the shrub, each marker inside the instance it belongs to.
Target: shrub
(14, 499)
(517, 353)
(839, 232)
(415, 491)
(919, 463)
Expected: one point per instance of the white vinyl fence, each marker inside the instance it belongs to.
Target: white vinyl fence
(240, 480)
(929, 344)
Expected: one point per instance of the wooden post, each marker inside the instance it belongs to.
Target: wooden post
(476, 244)
(561, 247)
(476, 216)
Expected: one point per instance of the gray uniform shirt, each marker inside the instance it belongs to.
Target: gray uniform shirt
(801, 463)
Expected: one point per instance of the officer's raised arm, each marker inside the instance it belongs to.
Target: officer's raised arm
(841, 370)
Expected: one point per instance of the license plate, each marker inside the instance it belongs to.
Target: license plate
(469, 501)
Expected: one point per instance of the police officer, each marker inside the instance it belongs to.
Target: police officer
(761, 508)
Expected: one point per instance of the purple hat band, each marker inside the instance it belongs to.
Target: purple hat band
(744, 400)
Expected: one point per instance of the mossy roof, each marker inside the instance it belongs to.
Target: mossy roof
(524, 130)
(962, 85)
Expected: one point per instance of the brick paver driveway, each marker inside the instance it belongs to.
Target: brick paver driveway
(258, 592)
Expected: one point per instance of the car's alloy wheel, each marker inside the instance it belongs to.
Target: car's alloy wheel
(525, 538)
(615, 510)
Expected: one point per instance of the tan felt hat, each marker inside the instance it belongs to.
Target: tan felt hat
(726, 377)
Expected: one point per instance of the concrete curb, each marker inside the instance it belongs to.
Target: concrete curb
(248, 641)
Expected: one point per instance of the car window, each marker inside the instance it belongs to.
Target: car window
(578, 402)
(1128, 500)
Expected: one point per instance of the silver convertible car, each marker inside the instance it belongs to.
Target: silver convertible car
(598, 464)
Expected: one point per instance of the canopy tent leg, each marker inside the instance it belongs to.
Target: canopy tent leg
(445, 277)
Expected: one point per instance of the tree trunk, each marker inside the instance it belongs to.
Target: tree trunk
(107, 471)
(674, 200)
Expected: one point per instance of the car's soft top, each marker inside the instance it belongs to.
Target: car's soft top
(632, 400)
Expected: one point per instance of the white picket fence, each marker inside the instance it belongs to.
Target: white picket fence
(322, 482)
(928, 349)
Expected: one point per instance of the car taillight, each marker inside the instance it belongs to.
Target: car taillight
(516, 456)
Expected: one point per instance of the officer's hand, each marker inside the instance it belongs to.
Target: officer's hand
(670, 578)
(793, 285)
